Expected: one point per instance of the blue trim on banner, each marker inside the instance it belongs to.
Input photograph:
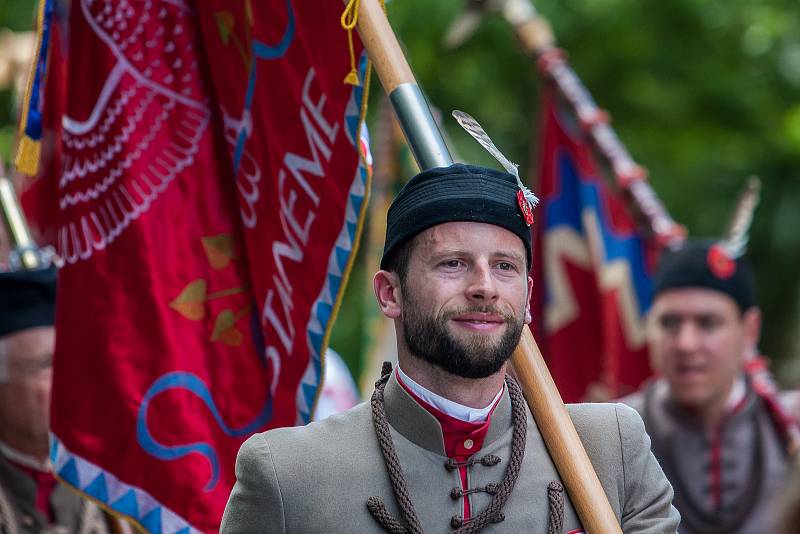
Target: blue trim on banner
(339, 256)
(33, 124)
(130, 501)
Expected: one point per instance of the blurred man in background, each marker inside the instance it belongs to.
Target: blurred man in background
(31, 499)
(717, 429)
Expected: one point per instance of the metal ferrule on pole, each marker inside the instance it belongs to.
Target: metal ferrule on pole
(24, 249)
(422, 133)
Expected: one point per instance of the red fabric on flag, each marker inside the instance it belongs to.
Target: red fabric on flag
(591, 270)
(208, 206)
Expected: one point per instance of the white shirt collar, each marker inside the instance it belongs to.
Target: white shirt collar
(453, 409)
(25, 459)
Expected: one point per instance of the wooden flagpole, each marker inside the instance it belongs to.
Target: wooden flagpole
(537, 41)
(545, 402)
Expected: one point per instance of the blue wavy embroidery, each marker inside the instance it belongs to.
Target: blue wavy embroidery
(193, 384)
(262, 51)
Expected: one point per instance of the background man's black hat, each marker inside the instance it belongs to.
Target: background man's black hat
(706, 264)
(455, 193)
(27, 299)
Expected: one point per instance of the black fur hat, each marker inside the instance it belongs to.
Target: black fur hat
(27, 299)
(456, 193)
(706, 264)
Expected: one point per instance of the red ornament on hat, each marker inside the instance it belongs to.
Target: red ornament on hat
(525, 207)
(720, 262)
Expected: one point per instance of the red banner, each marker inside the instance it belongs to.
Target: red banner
(210, 197)
(593, 283)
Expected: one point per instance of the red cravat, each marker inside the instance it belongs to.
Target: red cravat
(45, 484)
(461, 438)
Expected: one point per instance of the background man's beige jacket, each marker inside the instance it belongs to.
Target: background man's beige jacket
(317, 478)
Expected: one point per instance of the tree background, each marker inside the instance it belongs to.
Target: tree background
(704, 93)
(16, 16)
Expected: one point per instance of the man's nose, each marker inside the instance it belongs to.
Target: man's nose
(481, 283)
(688, 337)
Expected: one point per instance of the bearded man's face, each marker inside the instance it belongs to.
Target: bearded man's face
(465, 297)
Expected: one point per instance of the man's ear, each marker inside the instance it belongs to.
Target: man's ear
(386, 285)
(528, 316)
(751, 320)
(653, 333)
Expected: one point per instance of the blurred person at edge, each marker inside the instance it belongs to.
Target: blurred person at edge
(789, 511)
(31, 499)
(339, 391)
(715, 419)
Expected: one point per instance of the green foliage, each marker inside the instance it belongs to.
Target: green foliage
(704, 94)
(16, 15)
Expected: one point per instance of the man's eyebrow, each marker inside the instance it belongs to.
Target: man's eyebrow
(448, 252)
(509, 254)
(516, 256)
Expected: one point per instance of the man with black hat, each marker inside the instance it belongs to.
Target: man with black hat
(31, 500)
(447, 442)
(718, 431)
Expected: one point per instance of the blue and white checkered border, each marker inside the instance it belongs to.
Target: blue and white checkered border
(112, 493)
(337, 262)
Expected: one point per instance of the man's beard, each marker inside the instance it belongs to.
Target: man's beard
(427, 337)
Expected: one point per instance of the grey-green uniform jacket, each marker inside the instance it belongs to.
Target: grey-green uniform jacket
(746, 458)
(18, 513)
(317, 478)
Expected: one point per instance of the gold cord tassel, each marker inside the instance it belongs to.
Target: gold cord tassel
(28, 154)
(349, 21)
